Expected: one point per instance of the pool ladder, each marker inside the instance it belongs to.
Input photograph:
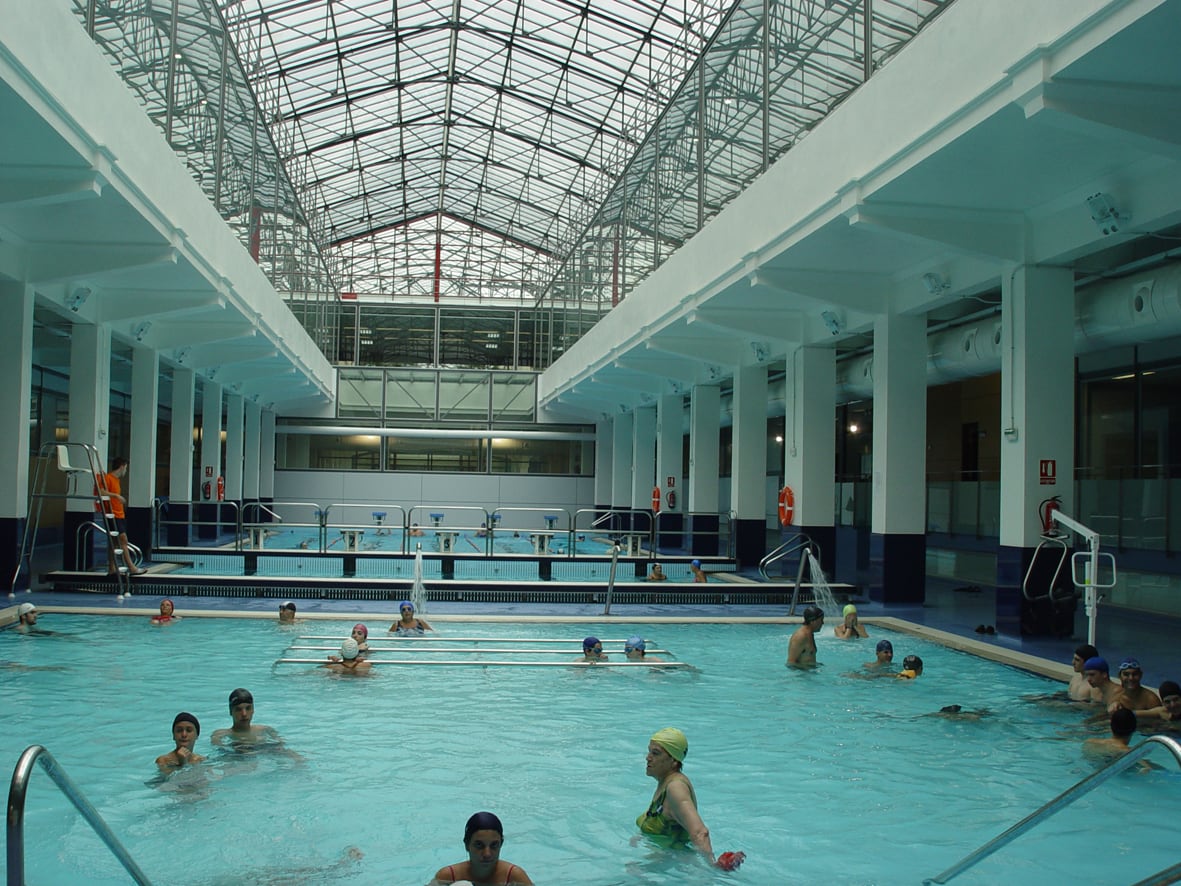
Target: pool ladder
(1088, 784)
(15, 833)
(800, 545)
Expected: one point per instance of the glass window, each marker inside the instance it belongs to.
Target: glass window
(358, 393)
(514, 396)
(540, 457)
(354, 452)
(401, 336)
(410, 395)
(476, 338)
(437, 454)
(463, 396)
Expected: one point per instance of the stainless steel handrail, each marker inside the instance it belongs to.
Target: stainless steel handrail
(611, 579)
(796, 544)
(1060, 802)
(15, 832)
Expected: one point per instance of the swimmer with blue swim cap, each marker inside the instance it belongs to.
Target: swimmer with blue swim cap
(699, 576)
(1098, 675)
(885, 656)
(592, 650)
(635, 648)
(409, 623)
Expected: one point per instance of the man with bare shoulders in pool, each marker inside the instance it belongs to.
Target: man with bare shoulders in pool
(1079, 689)
(1098, 675)
(244, 735)
(801, 650)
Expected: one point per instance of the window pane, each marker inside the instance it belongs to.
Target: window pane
(410, 395)
(539, 457)
(359, 393)
(514, 396)
(356, 452)
(463, 396)
(476, 338)
(436, 454)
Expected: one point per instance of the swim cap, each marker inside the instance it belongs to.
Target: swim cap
(349, 649)
(1168, 689)
(912, 663)
(288, 605)
(696, 563)
(1129, 664)
(673, 741)
(813, 613)
(849, 607)
(1123, 722)
(405, 604)
(240, 696)
(186, 717)
(634, 644)
(885, 646)
(589, 643)
(1096, 664)
(360, 627)
(482, 821)
(950, 709)
(25, 609)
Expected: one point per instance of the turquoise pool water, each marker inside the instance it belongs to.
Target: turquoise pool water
(817, 777)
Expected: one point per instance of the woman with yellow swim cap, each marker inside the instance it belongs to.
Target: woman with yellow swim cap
(850, 628)
(672, 818)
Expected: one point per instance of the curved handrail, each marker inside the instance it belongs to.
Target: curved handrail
(1063, 800)
(15, 832)
(798, 543)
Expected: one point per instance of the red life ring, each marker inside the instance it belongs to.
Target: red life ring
(787, 505)
(655, 499)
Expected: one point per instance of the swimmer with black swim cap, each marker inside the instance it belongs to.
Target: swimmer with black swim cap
(244, 731)
(912, 667)
(483, 837)
(801, 649)
(185, 731)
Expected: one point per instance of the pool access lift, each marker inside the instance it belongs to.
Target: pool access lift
(15, 832)
(1135, 755)
(1084, 567)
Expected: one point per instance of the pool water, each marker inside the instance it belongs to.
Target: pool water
(816, 776)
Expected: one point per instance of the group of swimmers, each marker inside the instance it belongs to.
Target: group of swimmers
(699, 576)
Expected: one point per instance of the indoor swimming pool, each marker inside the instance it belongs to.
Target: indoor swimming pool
(819, 777)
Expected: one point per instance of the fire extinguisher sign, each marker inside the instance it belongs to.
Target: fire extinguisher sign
(1048, 472)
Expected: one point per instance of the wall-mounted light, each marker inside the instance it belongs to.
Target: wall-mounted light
(141, 329)
(76, 299)
(1104, 214)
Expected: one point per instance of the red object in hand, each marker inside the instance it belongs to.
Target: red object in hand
(729, 861)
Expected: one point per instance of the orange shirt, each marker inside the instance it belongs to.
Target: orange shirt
(110, 483)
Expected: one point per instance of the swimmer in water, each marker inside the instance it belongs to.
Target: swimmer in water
(483, 837)
(287, 613)
(360, 633)
(244, 731)
(167, 614)
(185, 731)
(851, 628)
(885, 656)
(26, 618)
(592, 651)
(408, 624)
(349, 661)
(801, 649)
(912, 668)
(635, 648)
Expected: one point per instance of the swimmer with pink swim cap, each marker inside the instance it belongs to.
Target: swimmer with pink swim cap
(360, 634)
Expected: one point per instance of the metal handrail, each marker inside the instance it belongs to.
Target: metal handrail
(611, 579)
(1060, 802)
(82, 540)
(798, 543)
(16, 814)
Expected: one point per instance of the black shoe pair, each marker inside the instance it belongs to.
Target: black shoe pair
(985, 629)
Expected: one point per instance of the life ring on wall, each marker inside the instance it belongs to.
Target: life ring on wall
(787, 505)
(655, 499)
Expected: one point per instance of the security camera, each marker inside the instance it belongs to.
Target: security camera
(831, 322)
(1104, 214)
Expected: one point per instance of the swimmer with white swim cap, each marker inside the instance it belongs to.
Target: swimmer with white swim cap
(349, 660)
(483, 837)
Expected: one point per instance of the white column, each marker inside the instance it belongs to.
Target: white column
(180, 456)
(16, 366)
(621, 461)
(809, 457)
(899, 425)
(670, 436)
(250, 458)
(604, 436)
(748, 469)
(643, 456)
(704, 413)
(1037, 398)
(210, 434)
(235, 446)
(90, 394)
(140, 486)
(266, 455)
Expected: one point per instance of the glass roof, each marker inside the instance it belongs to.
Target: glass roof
(460, 147)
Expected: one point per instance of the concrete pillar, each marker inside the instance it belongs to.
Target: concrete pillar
(898, 543)
(250, 461)
(704, 422)
(621, 469)
(266, 456)
(604, 436)
(211, 468)
(749, 490)
(235, 447)
(140, 483)
(670, 435)
(90, 411)
(809, 458)
(180, 458)
(16, 366)
(1037, 423)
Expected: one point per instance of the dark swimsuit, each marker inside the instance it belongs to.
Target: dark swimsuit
(508, 879)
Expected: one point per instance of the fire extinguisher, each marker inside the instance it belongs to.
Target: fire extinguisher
(221, 488)
(206, 490)
(671, 498)
(1046, 512)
